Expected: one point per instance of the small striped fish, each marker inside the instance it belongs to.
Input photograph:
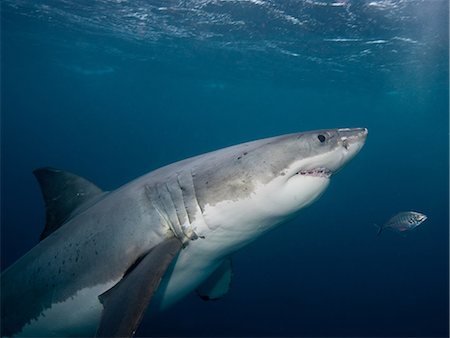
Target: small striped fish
(403, 221)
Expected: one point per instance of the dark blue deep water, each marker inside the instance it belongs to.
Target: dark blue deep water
(113, 89)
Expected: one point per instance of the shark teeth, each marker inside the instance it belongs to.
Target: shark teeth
(316, 172)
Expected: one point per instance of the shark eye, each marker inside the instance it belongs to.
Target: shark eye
(321, 138)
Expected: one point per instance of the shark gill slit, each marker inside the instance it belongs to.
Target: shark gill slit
(190, 197)
(163, 203)
(195, 196)
(183, 201)
(176, 210)
(171, 210)
(181, 209)
(200, 212)
(152, 199)
(186, 191)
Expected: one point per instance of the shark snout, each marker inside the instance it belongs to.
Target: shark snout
(356, 134)
(352, 138)
(350, 142)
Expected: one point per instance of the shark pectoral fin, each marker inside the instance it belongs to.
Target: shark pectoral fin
(125, 303)
(63, 192)
(218, 284)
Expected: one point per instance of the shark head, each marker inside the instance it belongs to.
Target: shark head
(256, 185)
(306, 162)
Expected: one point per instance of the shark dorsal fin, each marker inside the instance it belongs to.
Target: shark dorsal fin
(63, 192)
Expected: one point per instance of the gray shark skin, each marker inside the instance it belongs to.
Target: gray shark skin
(107, 256)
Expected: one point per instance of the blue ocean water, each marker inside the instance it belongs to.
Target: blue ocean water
(113, 89)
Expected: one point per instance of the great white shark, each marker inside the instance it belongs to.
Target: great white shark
(104, 257)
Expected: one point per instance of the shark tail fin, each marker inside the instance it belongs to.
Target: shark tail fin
(63, 192)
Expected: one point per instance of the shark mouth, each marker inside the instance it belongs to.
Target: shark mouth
(316, 172)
